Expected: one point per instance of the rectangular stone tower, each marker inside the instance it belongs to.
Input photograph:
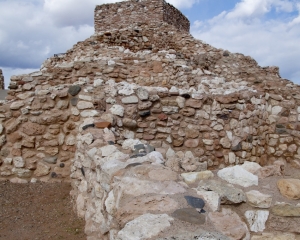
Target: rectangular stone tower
(137, 12)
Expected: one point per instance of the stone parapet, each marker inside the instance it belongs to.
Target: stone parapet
(136, 13)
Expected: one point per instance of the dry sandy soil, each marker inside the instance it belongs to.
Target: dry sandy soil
(38, 211)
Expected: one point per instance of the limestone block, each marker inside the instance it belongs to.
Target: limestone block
(259, 200)
(192, 177)
(170, 109)
(84, 105)
(238, 175)
(257, 219)
(286, 210)
(252, 167)
(145, 227)
(142, 93)
(33, 129)
(19, 162)
(22, 172)
(180, 101)
(211, 198)
(230, 224)
(130, 143)
(208, 142)
(289, 188)
(42, 169)
(17, 105)
(117, 110)
(275, 236)
(228, 194)
(130, 100)
(108, 150)
(89, 113)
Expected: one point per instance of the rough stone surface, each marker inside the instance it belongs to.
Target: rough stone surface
(145, 226)
(259, 200)
(237, 175)
(289, 188)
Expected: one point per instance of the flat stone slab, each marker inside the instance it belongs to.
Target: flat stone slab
(189, 215)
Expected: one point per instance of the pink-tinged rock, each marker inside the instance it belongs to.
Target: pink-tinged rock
(193, 103)
(230, 224)
(33, 129)
(267, 171)
(289, 188)
(188, 112)
(191, 143)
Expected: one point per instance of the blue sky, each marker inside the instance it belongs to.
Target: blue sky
(267, 30)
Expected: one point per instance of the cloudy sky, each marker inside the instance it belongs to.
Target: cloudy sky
(267, 30)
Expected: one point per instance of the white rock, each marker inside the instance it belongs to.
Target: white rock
(129, 143)
(87, 138)
(192, 177)
(98, 82)
(257, 220)
(170, 109)
(142, 93)
(108, 150)
(117, 110)
(75, 111)
(89, 113)
(145, 227)
(252, 167)
(130, 100)
(18, 162)
(276, 110)
(212, 199)
(85, 97)
(1, 128)
(128, 134)
(170, 153)
(84, 105)
(238, 175)
(180, 101)
(257, 199)
(70, 140)
(231, 158)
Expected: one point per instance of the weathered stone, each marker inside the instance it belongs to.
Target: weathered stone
(188, 112)
(42, 169)
(130, 100)
(17, 105)
(259, 200)
(238, 175)
(189, 215)
(275, 236)
(117, 110)
(33, 129)
(170, 109)
(192, 177)
(142, 93)
(84, 105)
(289, 188)
(145, 226)
(74, 90)
(144, 113)
(129, 123)
(51, 160)
(230, 224)
(193, 103)
(257, 220)
(62, 104)
(191, 143)
(19, 162)
(227, 193)
(102, 124)
(22, 172)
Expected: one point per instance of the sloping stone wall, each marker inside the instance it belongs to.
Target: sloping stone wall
(137, 13)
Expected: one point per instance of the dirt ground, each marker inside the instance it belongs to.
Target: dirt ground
(38, 211)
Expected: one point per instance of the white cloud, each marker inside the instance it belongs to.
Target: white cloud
(182, 3)
(270, 42)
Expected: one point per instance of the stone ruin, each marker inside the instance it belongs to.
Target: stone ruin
(139, 111)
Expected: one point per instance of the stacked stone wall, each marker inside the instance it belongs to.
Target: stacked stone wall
(137, 13)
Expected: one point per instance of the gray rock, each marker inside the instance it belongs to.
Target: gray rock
(74, 90)
(130, 99)
(228, 194)
(51, 160)
(189, 215)
(74, 101)
(142, 93)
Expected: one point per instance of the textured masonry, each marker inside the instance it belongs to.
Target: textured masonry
(136, 13)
